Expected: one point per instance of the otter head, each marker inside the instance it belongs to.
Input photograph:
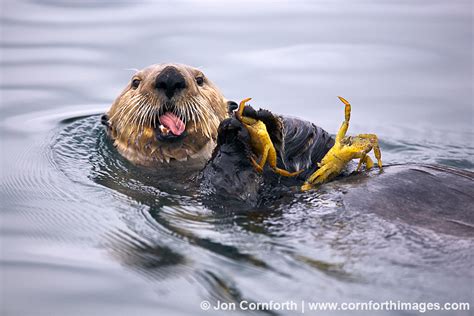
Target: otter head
(168, 113)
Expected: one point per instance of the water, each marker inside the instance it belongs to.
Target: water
(83, 232)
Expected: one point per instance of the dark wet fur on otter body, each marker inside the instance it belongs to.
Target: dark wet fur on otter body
(438, 198)
(299, 145)
(229, 172)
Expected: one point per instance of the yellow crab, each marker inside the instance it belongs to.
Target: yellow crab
(344, 150)
(261, 143)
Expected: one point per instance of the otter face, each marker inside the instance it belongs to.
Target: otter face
(167, 112)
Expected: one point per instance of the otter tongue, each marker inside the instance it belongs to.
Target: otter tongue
(173, 123)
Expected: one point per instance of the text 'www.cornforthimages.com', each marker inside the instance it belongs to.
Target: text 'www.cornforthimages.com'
(307, 306)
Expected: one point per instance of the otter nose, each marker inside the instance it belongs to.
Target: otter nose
(170, 81)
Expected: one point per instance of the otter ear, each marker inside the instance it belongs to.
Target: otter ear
(104, 119)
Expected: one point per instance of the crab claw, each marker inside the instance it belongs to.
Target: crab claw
(240, 110)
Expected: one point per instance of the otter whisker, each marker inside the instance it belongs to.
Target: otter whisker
(123, 108)
(143, 114)
(138, 112)
(154, 114)
(212, 122)
(193, 112)
(150, 115)
(181, 115)
(130, 106)
(138, 118)
(205, 123)
(154, 101)
(141, 117)
(124, 117)
(150, 104)
(186, 109)
(147, 112)
(178, 113)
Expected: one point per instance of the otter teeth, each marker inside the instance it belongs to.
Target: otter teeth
(165, 131)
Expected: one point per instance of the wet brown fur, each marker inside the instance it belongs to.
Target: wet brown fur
(132, 119)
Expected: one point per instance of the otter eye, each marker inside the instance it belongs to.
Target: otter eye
(135, 83)
(200, 81)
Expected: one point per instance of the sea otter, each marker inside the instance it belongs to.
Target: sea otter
(172, 116)
(167, 116)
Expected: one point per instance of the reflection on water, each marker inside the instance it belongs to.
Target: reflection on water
(85, 232)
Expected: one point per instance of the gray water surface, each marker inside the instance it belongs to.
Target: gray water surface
(83, 232)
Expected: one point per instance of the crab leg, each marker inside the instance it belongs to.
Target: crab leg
(367, 161)
(374, 142)
(240, 111)
(345, 125)
(263, 160)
